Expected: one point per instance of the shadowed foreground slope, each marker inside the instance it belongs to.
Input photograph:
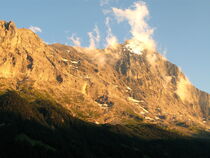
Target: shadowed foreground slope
(43, 128)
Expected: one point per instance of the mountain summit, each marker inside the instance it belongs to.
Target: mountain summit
(121, 101)
(112, 85)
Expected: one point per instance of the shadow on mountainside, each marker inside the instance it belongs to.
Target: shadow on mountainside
(43, 128)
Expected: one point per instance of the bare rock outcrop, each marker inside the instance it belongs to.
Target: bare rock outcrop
(144, 86)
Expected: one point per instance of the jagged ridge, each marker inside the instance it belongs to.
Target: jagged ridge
(112, 85)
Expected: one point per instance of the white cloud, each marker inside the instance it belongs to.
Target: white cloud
(163, 50)
(111, 40)
(35, 29)
(75, 40)
(106, 11)
(94, 37)
(104, 2)
(107, 2)
(140, 30)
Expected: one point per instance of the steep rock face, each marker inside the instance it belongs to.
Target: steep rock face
(101, 86)
(163, 88)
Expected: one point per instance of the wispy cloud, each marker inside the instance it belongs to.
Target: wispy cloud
(94, 37)
(106, 11)
(106, 2)
(141, 32)
(35, 29)
(111, 40)
(75, 40)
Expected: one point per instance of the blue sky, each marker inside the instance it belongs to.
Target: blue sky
(182, 27)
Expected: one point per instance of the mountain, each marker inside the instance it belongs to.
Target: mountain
(89, 97)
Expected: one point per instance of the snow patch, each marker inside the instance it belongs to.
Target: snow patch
(135, 47)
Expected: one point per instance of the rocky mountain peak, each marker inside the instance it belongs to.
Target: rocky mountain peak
(7, 31)
(113, 85)
(9, 26)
